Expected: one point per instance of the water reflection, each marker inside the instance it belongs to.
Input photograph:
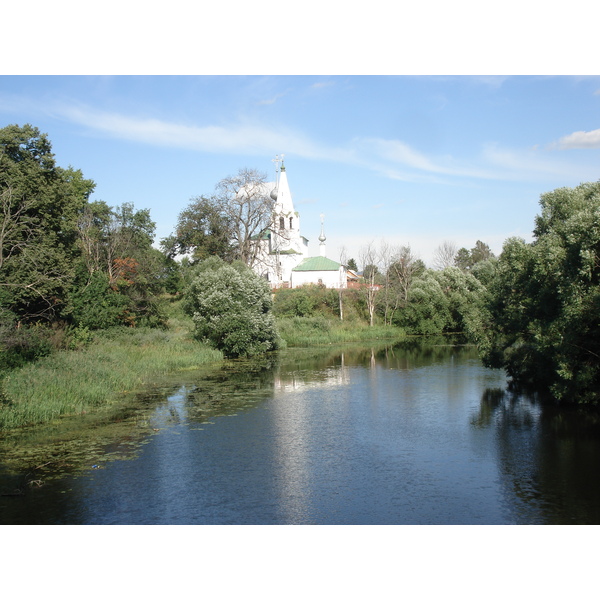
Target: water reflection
(415, 433)
(548, 457)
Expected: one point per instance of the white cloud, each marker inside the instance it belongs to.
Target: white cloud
(240, 137)
(398, 152)
(529, 164)
(580, 139)
(387, 156)
(392, 158)
(272, 100)
(322, 84)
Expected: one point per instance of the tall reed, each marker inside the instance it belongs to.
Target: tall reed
(116, 363)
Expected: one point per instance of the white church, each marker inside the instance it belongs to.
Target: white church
(283, 254)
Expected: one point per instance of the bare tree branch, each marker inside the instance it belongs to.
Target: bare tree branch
(444, 255)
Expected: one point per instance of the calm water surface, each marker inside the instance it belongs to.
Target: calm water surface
(399, 435)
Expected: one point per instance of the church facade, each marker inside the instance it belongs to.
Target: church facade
(283, 252)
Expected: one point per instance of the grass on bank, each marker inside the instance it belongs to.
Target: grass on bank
(119, 362)
(303, 332)
(115, 363)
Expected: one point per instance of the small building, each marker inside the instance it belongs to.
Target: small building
(319, 270)
(353, 279)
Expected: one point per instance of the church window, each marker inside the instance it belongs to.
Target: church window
(281, 223)
(291, 220)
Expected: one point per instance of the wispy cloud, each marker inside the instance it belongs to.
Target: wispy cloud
(322, 84)
(493, 81)
(398, 160)
(579, 139)
(530, 164)
(246, 137)
(391, 158)
(272, 100)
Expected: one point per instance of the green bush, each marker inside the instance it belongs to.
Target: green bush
(231, 308)
(294, 302)
(447, 301)
(306, 301)
(97, 306)
(20, 345)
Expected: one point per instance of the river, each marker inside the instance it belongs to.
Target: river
(417, 433)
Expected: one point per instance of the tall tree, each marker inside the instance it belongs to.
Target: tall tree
(368, 257)
(402, 271)
(445, 255)
(203, 230)
(467, 259)
(545, 301)
(248, 208)
(123, 271)
(230, 224)
(40, 204)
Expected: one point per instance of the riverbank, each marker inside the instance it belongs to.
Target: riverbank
(303, 332)
(114, 365)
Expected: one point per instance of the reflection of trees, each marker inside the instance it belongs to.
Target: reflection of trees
(237, 385)
(421, 352)
(549, 457)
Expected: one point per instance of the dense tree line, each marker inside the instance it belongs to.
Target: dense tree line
(544, 304)
(67, 262)
(407, 294)
(532, 311)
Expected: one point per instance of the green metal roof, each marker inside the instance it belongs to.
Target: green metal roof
(289, 251)
(317, 263)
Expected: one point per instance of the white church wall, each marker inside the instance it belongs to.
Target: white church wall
(330, 279)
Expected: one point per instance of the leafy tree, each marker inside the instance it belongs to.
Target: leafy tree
(231, 308)
(467, 259)
(117, 243)
(352, 265)
(427, 311)
(545, 300)
(39, 206)
(466, 297)
(399, 267)
(203, 230)
(448, 301)
(229, 224)
(402, 272)
(485, 270)
(98, 306)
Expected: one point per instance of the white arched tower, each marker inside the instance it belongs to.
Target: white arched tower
(286, 221)
(284, 247)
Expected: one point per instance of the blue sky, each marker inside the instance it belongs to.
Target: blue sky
(412, 160)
